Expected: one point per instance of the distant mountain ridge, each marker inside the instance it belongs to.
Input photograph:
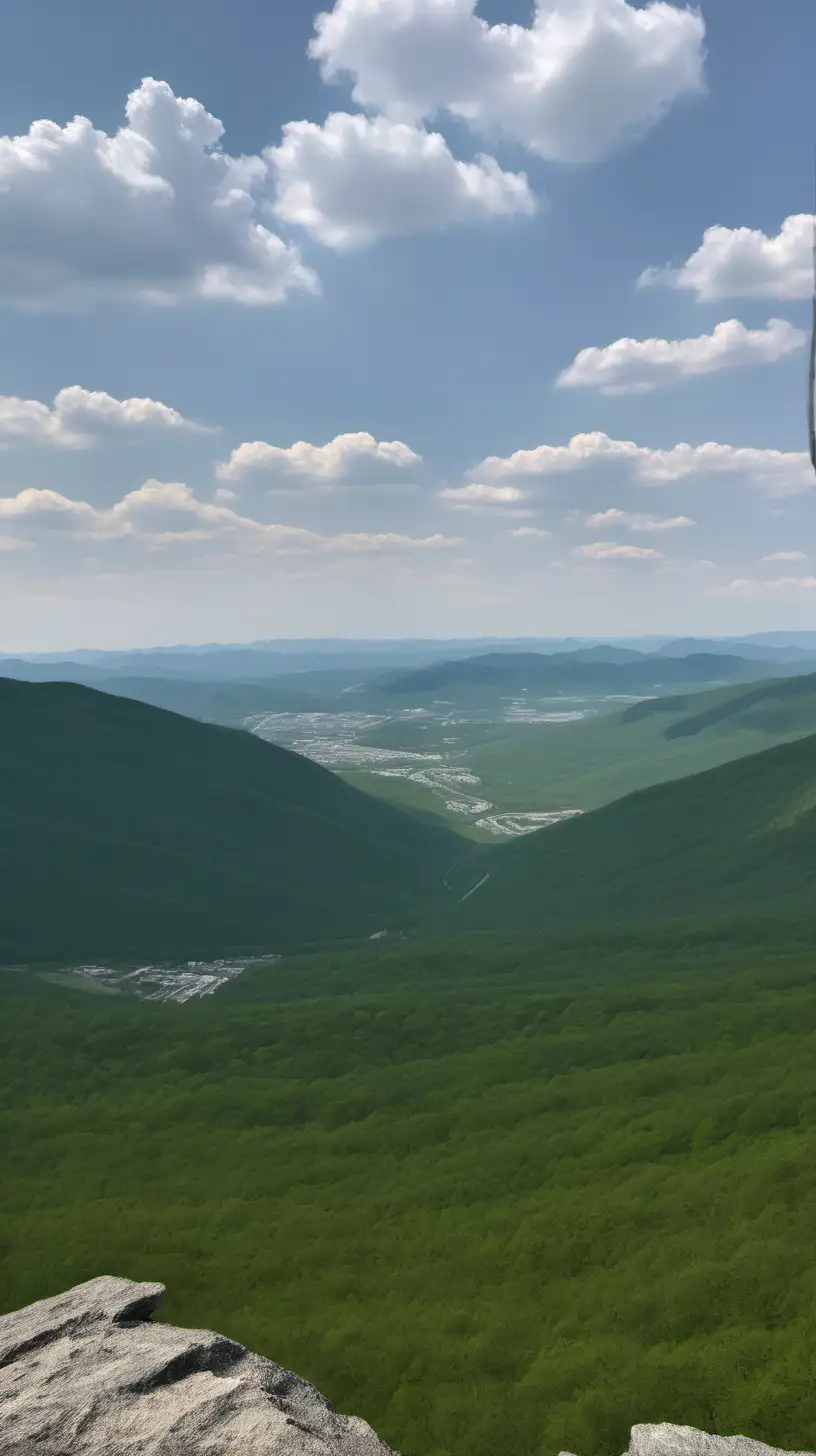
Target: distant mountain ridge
(600, 670)
(281, 657)
(587, 671)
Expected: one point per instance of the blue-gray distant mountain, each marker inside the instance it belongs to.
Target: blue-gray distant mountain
(589, 671)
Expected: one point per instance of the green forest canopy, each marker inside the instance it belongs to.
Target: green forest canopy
(493, 1194)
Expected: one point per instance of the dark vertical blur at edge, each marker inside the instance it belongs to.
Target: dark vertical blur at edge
(812, 369)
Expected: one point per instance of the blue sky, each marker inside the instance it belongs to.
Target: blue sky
(396, 249)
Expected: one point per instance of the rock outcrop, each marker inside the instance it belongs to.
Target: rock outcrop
(667, 1440)
(89, 1374)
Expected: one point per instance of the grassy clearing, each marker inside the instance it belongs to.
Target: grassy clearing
(78, 983)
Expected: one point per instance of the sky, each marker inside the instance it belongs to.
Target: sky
(404, 318)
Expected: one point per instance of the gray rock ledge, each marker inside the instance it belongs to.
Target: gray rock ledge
(89, 1374)
(667, 1440)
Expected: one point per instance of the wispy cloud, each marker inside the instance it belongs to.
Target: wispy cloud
(638, 520)
(614, 551)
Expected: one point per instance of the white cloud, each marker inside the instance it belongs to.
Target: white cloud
(477, 495)
(786, 556)
(362, 541)
(636, 366)
(746, 263)
(156, 212)
(744, 586)
(638, 520)
(80, 418)
(777, 472)
(581, 80)
(157, 510)
(47, 509)
(356, 179)
(323, 464)
(529, 532)
(612, 551)
(163, 513)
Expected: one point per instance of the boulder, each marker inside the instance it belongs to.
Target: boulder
(89, 1373)
(668, 1440)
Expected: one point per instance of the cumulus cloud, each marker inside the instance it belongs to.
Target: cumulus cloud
(745, 263)
(776, 472)
(638, 520)
(356, 179)
(157, 212)
(157, 511)
(79, 418)
(637, 366)
(322, 464)
(613, 551)
(476, 495)
(529, 533)
(786, 556)
(578, 82)
(164, 513)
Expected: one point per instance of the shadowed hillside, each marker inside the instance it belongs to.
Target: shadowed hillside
(737, 840)
(131, 831)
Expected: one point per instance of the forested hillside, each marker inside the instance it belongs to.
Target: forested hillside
(584, 765)
(500, 1196)
(738, 840)
(130, 831)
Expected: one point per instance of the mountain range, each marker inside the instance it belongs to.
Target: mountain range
(134, 831)
(592, 670)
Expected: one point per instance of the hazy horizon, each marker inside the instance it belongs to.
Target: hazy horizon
(780, 637)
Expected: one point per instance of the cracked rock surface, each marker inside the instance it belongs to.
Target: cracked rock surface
(88, 1373)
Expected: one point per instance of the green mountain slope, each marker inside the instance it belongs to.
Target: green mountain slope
(738, 840)
(130, 831)
(585, 765)
(229, 700)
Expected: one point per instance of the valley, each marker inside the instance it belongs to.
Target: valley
(486, 1077)
(501, 768)
(422, 758)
